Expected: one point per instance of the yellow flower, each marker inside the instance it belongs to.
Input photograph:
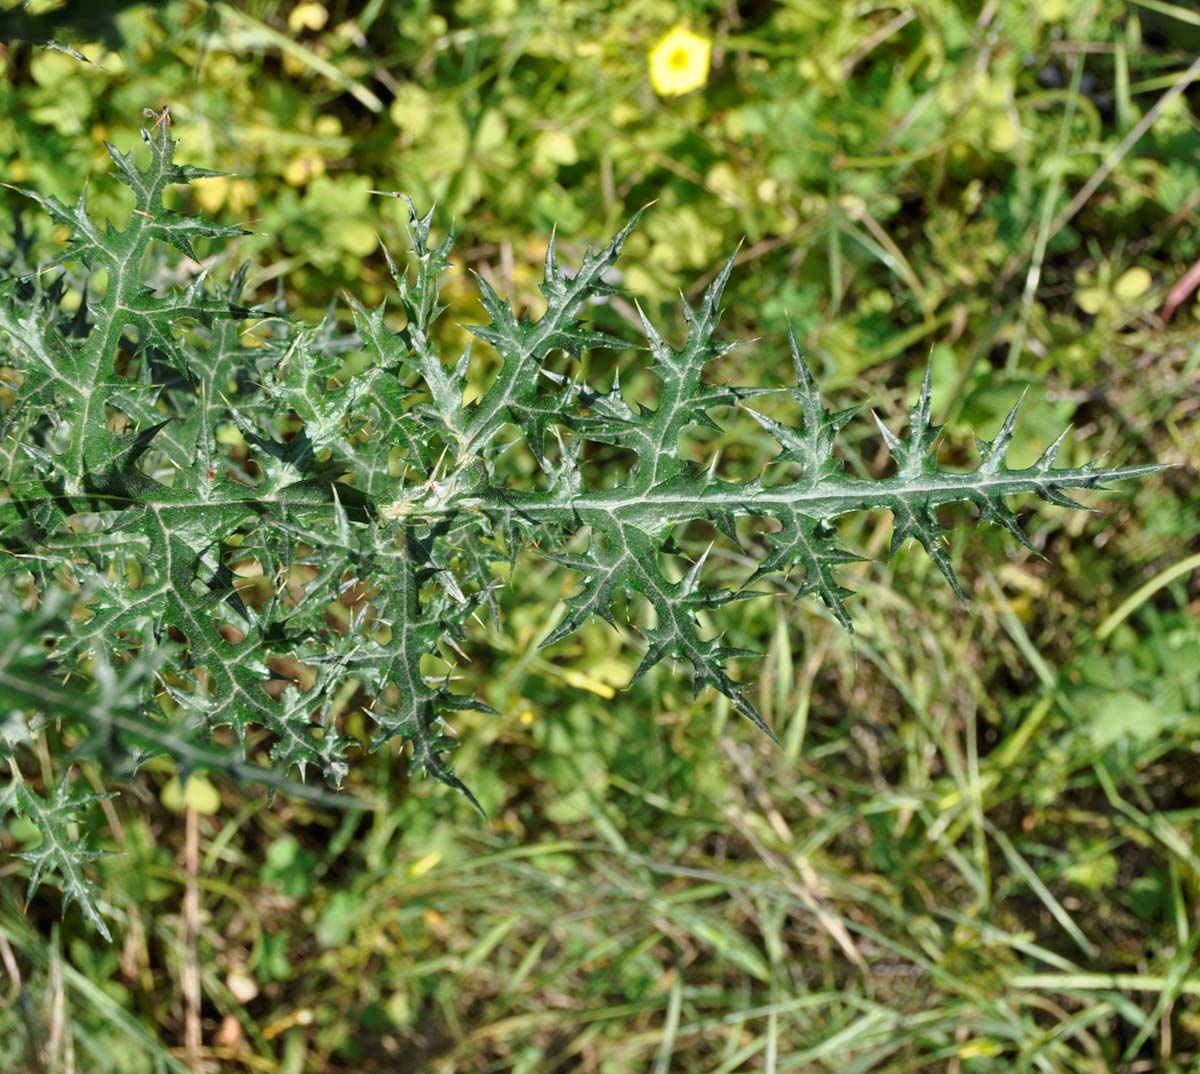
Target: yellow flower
(307, 16)
(305, 165)
(679, 62)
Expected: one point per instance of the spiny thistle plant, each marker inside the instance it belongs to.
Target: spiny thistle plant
(184, 509)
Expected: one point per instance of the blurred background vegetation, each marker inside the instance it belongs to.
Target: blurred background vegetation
(977, 851)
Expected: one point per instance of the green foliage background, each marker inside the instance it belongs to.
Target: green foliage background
(979, 812)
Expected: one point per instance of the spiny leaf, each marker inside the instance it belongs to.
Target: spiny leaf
(811, 446)
(524, 347)
(253, 523)
(812, 544)
(61, 854)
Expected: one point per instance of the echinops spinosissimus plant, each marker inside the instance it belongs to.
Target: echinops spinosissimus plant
(185, 506)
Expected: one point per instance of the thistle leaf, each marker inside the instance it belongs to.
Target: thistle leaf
(61, 854)
(251, 523)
